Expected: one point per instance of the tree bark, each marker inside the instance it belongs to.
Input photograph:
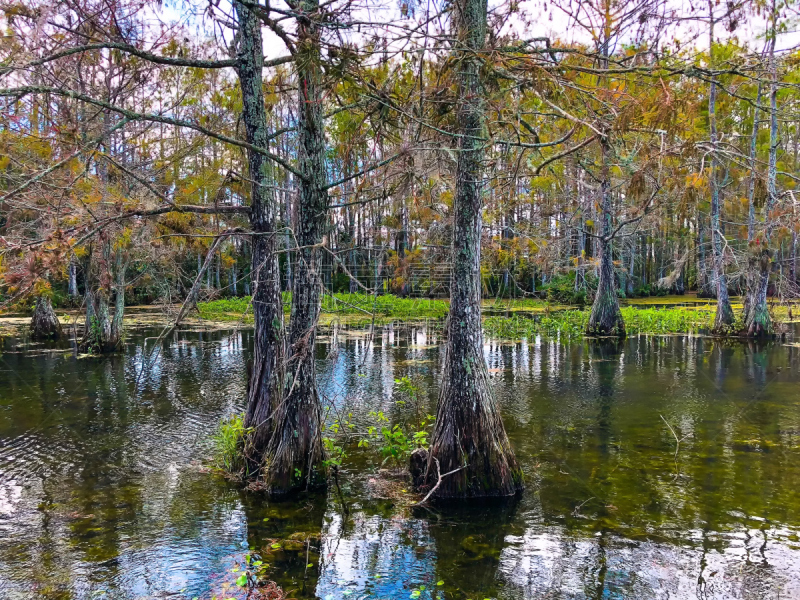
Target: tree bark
(606, 317)
(629, 287)
(469, 433)
(268, 352)
(724, 315)
(757, 320)
(295, 456)
(44, 323)
(102, 333)
(73, 278)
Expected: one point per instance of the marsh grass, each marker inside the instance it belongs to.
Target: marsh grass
(363, 305)
(229, 447)
(572, 323)
(526, 317)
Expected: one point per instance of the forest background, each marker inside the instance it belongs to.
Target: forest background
(170, 153)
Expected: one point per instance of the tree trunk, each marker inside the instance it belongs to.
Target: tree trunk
(724, 315)
(101, 333)
(73, 278)
(119, 298)
(44, 323)
(606, 317)
(268, 353)
(629, 290)
(757, 319)
(751, 187)
(469, 433)
(295, 456)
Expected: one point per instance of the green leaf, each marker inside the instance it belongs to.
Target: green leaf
(242, 581)
(440, 582)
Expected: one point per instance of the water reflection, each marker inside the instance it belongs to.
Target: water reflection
(659, 467)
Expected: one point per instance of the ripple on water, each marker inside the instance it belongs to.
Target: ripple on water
(100, 496)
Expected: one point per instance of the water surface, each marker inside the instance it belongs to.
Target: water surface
(662, 467)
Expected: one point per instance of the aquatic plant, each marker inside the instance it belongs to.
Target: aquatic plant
(397, 441)
(572, 323)
(387, 305)
(543, 318)
(229, 446)
(248, 580)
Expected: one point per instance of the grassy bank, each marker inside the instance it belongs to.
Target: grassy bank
(358, 307)
(503, 318)
(572, 323)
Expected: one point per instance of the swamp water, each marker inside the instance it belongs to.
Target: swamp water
(665, 467)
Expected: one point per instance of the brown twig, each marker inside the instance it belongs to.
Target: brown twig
(439, 482)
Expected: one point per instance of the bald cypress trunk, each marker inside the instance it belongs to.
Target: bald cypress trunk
(629, 287)
(102, 333)
(469, 433)
(294, 457)
(606, 317)
(724, 315)
(73, 278)
(268, 352)
(44, 323)
(757, 320)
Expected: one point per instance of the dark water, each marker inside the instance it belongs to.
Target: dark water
(102, 494)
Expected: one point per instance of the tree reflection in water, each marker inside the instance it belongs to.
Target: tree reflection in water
(101, 494)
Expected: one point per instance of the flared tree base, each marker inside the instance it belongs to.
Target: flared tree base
(724, 319)
(758, 323)
(294, 459)
(470, 455)
(44, 323)
(605, 319)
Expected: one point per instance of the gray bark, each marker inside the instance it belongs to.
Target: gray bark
(268, 352)
(469, 433)
(295, 456)
(73, 277)
(724, 315)
(757, 320)
(44, 323)
(606, 317)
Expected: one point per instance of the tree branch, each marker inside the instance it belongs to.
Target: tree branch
(134, 116)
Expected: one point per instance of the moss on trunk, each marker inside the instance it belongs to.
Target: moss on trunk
(266, 378)
(469, 442)
(757, 320)
(294, 457)
(606, 317)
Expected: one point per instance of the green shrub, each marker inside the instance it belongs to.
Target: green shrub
(561, 289)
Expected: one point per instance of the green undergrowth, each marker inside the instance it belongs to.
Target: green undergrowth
(572, 323)
(522, 318)
(364, 305)
(228, 446)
